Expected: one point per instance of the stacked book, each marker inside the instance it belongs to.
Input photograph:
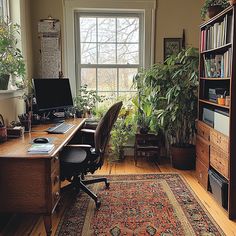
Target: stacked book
(217, 35)
(41, 148)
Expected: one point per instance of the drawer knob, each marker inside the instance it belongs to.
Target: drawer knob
(56, 179)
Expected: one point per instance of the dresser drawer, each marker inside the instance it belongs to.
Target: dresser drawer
(202, 174)
(219, 161)
(203, 130)
(219, 140)
(202, 150)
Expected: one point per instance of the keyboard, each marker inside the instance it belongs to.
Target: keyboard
(60, 129)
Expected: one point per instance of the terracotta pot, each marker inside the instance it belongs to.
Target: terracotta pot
(214, 10)
(232, 2)
(4, 80)
(183, 157)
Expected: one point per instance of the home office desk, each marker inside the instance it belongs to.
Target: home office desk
(30, 183)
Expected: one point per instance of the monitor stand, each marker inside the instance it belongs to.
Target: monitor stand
(53, 117)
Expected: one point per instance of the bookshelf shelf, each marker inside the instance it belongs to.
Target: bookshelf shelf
(217, 49)
(218, 79)
(213, 103)
(216, 136)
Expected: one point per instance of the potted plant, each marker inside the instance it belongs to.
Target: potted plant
(178, 117)
(11, 59)
(213, 7)
(122, 130)
(85, 101)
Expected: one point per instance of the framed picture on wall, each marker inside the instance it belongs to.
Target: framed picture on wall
(172, 46)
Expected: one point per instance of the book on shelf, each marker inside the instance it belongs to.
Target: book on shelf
(41, 148)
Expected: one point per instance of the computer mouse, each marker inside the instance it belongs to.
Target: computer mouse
(41, 140)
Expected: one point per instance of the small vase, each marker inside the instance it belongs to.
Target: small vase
(4, 80)
(214, 10)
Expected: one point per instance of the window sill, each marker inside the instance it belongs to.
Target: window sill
(6, 94)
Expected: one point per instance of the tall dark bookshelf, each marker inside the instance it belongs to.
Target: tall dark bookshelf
(216, 144)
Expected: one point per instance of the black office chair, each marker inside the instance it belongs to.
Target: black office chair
(79, 159)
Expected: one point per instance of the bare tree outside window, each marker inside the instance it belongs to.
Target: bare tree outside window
(109, 52)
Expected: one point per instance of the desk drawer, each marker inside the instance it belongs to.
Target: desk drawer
(219, 161)
(219, 140)
(55, 186)
(203, 130)
(54, 162)
(202, 174)
(202, 150)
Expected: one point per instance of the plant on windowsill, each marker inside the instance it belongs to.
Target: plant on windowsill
(86, 101)
(11, 59)
(213, 7)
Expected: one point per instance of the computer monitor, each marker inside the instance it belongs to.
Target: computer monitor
(52, 94)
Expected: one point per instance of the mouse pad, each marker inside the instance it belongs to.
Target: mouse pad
(50, 139)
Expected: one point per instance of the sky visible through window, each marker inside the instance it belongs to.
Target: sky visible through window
(109, 53)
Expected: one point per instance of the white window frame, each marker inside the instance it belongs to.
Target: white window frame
(147, 7)
(79, 65)
(5, 11)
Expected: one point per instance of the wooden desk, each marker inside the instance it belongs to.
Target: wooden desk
(30, 183)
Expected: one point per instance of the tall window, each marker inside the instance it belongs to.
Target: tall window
(4, 8)
(108, 51)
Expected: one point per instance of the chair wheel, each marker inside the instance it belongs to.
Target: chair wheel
(98, 204)
(107, 185)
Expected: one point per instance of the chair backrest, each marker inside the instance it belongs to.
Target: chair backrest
(104, 127)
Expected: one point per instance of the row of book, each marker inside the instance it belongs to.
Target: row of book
(218, 66)
(217, 35)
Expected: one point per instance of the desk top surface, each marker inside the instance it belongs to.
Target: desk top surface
(18, 147)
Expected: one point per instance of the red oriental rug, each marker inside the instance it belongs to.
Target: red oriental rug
(151, 204)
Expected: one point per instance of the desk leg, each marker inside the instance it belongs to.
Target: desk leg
(48, 224)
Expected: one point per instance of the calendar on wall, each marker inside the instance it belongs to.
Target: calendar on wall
(50, 48)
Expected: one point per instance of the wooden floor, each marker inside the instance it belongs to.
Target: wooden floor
(21, 225)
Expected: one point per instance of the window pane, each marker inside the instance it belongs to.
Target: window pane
(106, 53)
(128, 53)
(88, 53)
(87, 29)
(88, 76)
(107, 79)
(128, 30)
(106, 30)
(126, 78)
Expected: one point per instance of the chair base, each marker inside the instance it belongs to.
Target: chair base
(78, 183)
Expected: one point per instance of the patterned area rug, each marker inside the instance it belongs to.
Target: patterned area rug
(152, 204)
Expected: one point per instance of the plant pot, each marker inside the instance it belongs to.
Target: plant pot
(4, 80)
(232, 2)
(214, 10)
(183, 158)
(78, 114)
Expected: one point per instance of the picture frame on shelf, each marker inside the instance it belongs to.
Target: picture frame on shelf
(172, 46)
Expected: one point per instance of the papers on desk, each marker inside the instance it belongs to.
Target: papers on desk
(41, 148)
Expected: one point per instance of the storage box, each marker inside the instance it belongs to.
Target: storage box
(219, 188)
(221, 123)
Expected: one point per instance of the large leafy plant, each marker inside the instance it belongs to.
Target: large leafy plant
(11, 59)
(178, 117)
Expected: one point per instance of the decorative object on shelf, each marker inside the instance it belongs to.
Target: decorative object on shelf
(3, 130)
(172, 46)
(213, 7)
(227, 101)
(11, 58)
(25, 120)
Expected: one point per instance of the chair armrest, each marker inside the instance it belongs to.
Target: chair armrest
(90, 124)
(91, 131)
